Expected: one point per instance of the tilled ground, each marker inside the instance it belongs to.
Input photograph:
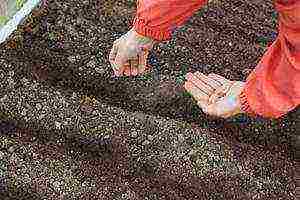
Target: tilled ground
(143, 137)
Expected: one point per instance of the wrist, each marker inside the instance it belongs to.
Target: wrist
(142, 38)
(236, 98)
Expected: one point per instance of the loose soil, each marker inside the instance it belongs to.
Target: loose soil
(223, 38)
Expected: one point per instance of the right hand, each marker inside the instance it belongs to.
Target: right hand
(129, 54)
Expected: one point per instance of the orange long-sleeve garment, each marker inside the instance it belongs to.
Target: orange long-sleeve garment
(273, 88)
(158, 18)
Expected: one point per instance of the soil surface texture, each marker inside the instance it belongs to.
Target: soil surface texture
(70, 130)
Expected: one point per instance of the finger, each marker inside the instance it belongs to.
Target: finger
(199, 83)
(113, 53)
(209, 81)
(212, 110)
(112, 56)
(127, 69)
(219, 78)
(134, 71)
(142, 62)
(120, 64)
(217, 109)
(134, 64)
(115, 69)
(220, 92)
(197, 93)
(216, 96)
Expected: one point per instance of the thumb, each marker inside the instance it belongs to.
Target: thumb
(216, 95)
(213, 109)
(220, 92)
(203, 105)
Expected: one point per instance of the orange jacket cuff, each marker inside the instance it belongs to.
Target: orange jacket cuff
(157, 34)
(245, 107)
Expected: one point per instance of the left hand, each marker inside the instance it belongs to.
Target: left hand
(129, 53)
(214, 94)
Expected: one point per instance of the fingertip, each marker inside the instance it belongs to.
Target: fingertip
(127, 71)
(134, 71)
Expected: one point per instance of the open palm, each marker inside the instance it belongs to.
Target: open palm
(214, 94)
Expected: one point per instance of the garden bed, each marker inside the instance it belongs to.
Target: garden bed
(136, 138)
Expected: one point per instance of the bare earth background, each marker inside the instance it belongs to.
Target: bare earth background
(69, 130)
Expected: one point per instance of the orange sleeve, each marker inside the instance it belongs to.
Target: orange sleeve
(158, 18)
(273, 88)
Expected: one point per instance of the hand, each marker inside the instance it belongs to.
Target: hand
(129, 54)
(214, 94)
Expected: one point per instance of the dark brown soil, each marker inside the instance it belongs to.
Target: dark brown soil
(222, 38)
